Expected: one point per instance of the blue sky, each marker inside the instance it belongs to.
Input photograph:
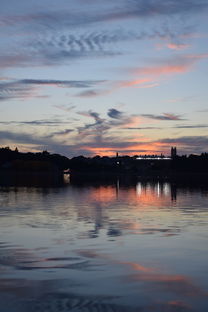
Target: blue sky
(90, 77)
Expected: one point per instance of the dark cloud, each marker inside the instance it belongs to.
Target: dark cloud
(42, 122)
(142, 128)
(97, 128)
(122, 10)
(175, 127)
(194, 140)
(165, 116)
(188, 144)
(47, 55)
(100, 126)
(66, 108)
(60, 83)
(22, 138)
(92, 114)
(114, 113)
(107, 142)
(149, 8)
(60, 133)
(39, 142)
(190, 126)
(89, 93)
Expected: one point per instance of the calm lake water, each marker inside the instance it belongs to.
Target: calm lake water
(103, 247)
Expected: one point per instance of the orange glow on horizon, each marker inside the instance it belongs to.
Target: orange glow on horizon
(133, 149)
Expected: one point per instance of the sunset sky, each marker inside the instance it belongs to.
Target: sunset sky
(91, 77)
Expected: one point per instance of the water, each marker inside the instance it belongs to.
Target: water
(103, 247)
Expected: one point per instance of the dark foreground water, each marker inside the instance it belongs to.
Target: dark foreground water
(103, 247)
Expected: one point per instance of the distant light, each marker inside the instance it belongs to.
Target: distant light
(153, 158)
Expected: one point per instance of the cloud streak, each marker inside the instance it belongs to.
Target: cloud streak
(143, 128)
(60, 133)
(190, 126)
(195, 142)
(59, 83)
(165, 116)
(125, 10)
(42, 122)
(22, 138)
(172, 66)
(25, 88)
(148, 77)
(65, 108)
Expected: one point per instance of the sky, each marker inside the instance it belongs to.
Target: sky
(91, 77)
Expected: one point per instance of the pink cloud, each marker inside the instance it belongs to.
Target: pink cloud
(173, 46)
(176, 46)
(178, 65)
(196, 57)
(163, 69)
(134, 82)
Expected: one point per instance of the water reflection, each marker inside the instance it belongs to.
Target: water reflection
(116, 245)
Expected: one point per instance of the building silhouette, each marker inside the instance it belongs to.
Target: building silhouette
(173, 152)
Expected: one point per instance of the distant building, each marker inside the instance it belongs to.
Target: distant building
(173, 152)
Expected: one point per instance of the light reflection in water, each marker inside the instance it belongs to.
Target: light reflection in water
(115, 246)
(151, 191)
